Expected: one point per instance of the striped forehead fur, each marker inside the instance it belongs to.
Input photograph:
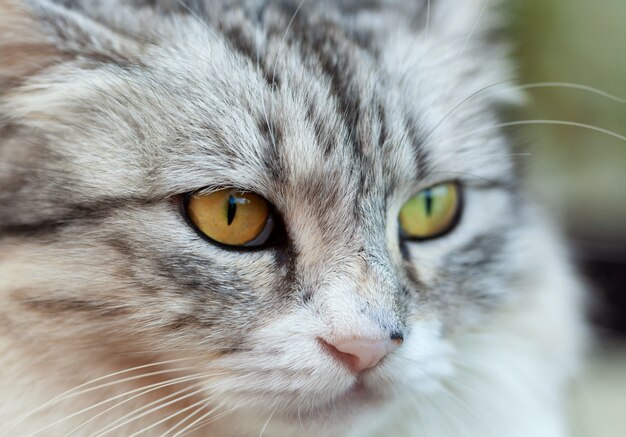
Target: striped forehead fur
(336, 112)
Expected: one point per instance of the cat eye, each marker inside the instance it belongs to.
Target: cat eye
(231, 217)
(431, 213)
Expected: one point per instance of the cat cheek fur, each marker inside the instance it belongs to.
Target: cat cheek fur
(111, 111)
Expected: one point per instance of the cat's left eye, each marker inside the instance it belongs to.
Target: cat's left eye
(431, 213)
(231, 217)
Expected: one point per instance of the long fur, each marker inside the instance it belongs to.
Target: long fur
(337, 113)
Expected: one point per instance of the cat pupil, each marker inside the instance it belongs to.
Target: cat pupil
(232, 209)
(428, 199)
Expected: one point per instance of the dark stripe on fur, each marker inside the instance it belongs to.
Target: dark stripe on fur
(73, 305)
(240, 37)
(273, 136)
(67, 215)
(417, 140)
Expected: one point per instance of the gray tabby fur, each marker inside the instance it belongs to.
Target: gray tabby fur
(336, 112)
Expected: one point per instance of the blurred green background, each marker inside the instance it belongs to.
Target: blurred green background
(580, 175)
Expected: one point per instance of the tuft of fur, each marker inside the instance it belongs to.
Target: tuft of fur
(117, 317)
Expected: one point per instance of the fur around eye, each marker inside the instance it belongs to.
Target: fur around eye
(431, 213)
(231, 217)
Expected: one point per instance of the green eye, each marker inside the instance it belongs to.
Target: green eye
(431, 213)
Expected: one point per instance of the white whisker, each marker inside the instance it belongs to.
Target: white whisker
(203, 421)
(427, 28)
(572, 85)
(198, 421)
(98, 388)
(300, 418)
(461, 103)
(148, 405)
(280, 50)
(144, 390)
(267, 423)
(165, 419)
(193, 14)
(535, 85)
(475, 25)
(541, 122)
(287, 29)
(75, 391)
(157, 408)
(184, 419)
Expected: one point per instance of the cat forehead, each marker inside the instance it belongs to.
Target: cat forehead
(313, 99)
(264, 106)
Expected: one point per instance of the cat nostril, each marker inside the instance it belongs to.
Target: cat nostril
(359, 354)
(397, 338)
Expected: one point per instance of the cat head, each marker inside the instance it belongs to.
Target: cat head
(119, 123)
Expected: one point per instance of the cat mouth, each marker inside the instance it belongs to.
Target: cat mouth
(359, 392)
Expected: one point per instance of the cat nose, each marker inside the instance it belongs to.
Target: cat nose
(359, 354)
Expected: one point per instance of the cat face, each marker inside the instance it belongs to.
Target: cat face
(336, 116)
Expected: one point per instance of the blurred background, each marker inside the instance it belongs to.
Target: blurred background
(580, 174)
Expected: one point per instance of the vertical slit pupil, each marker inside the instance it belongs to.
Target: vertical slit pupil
(232, 209)
(428, 199)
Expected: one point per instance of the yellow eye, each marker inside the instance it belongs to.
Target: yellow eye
(431, 212)
(231, 217)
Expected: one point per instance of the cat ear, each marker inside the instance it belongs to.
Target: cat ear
(36, 35)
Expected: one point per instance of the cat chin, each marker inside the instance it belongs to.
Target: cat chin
(336, 417)
(308, 413)
(357, 399)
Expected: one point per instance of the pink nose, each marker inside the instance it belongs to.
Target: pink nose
(360, 354)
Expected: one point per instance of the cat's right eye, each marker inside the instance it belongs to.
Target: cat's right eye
(231, 217)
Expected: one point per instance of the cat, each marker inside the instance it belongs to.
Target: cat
(254, 217)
